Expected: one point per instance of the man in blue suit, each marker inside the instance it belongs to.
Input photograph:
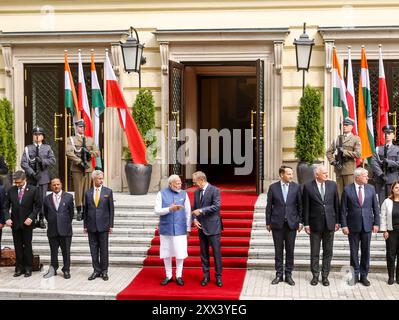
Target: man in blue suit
(360, 217)
(207, 219)
(284, 218)
(98, 222)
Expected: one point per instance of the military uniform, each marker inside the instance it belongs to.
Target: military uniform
(81, 175)
(36, 160)
(351, 150)
(384, 180)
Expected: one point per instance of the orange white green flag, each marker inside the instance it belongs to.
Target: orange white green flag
(339, 88)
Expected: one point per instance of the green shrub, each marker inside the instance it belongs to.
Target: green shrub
(7, 140)
(309, 136)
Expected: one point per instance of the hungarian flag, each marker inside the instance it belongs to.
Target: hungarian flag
(383, 104)
(114, 98)
(83, 102)
(70, 100)
(97, 103)
(350, 97)
(365, 116)
(339, 89)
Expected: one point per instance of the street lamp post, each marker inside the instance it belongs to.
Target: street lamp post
(303, 50)
(132, 52)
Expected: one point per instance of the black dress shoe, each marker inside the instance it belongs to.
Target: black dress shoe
(204, 281)
(94, 275)
(165, 281)
(219, 282)
(289, 280)
(365, 282)
(325, 281)
(277, 279)
(28, 274)
(105, 276)
(18, 273)
(314, 281)
(67, 275)
(180, 281)
(390, 281)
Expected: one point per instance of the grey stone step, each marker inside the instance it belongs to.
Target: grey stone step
(79, 260)
(127, 232)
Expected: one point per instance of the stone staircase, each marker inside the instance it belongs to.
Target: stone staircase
(134, 228)
(261, 252)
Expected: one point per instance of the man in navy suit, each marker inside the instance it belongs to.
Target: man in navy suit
(207, 219)
(321, 220)
(284, 218)
(98, 222)
(360, 217)
(58, 211)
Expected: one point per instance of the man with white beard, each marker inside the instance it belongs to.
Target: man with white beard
(173, 207)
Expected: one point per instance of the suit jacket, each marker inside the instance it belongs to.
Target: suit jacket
(277, 209)
(30, 206)
(359, 218)
(386, 215)
(352, 150)
(59, 221)
(48, 160)
(210, 219)
(2, 204)
(101, 218)
(318, 213)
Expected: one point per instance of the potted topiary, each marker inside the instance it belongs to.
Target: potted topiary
(309, 136)
(7, 141)
(138, 176)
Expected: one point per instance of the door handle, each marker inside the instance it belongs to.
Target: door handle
(252, 123)
(177, 114)
(56, 115)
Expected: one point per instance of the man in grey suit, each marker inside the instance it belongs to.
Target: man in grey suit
(284, 218)
(98, 222)
(360, 216)
(36, 160)
(206, 212)
(58, 211)
(321, 220)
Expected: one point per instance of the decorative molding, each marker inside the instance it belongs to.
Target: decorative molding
(164, 50)
(278, 56)
(7, 56)
(328, 44)
(360, 33)
(115, 57)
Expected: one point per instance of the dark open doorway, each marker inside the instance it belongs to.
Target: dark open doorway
(227, 102)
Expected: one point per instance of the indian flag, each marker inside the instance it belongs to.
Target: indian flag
(70, 100)
(339, 89)
(97, 103)
(365, 116)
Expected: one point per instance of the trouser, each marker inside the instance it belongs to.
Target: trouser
(81, 183)
(65, 244)
(43, 193)
(284, 237)
(364, 239)
(392, 245)
(327, 238)
(168, 267)
(98, 242)
(23, 249)
(343, 181)
(214, 242)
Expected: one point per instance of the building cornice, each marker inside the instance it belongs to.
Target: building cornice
(360, 33)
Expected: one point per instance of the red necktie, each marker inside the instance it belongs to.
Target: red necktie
(360, 196)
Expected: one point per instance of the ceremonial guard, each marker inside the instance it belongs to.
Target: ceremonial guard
(36, 160)
(385, 164)
(80, 150)
(342, 154)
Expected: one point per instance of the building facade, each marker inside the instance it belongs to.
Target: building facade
(210, 65)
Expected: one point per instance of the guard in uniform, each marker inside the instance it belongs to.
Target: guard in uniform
(36, 160)
(80, 150)
(351, 149)
(385, 169)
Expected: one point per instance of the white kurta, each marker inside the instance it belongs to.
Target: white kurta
(173, 246)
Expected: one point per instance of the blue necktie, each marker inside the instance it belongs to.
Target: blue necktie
(285, 191)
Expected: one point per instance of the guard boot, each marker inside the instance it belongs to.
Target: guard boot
(41, 223)
(79, 213)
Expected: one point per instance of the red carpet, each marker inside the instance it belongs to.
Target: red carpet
(237, 215)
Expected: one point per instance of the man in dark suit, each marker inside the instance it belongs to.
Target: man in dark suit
(321, 220)
(58, 211)
(284, 218)
(98, 222)
(2, 204)
(25, 203)
(207, 219)
(360, 216)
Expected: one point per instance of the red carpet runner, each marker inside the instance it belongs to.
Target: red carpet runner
(237, 214)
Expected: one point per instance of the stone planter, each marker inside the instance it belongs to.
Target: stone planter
(304, 172)
(138, 177)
